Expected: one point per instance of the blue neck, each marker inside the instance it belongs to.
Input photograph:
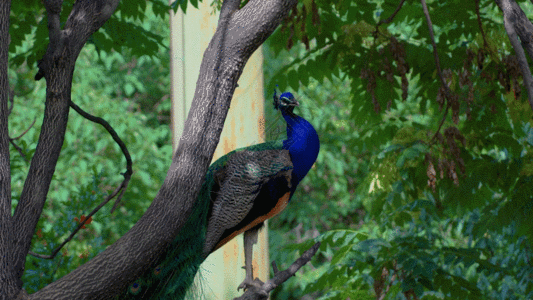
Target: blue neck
(303, 145)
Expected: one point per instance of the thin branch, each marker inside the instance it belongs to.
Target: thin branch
(434, 138)
(120, 188)
(391, 282)
(389, 19)
(447, 90)
(435, 53)
(19, 150)
(26, 131)
(116, 138)
(275, 267)
(11, 140)
(260, 290)
(478, 16)
(282, 276)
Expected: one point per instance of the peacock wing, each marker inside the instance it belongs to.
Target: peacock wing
(240, 181)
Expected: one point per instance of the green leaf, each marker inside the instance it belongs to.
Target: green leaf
(416, 151)
(129, 89)
(294, 81)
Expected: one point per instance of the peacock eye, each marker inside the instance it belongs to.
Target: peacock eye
(135, 288)
(157, 270)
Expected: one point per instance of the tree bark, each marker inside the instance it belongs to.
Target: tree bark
(8, 279)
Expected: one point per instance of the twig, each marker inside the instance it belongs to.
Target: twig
(478, 16)
(434, 138)
(18, 149)
(26, 131)
(435, 53)
(11, 140)
(389, 19)
(116, 138)
(447, 90)
(120, 188)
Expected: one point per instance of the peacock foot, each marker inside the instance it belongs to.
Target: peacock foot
(248, 283)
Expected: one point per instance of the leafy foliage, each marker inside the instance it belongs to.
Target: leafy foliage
(122, 32)
(434, 190)
(415, 193)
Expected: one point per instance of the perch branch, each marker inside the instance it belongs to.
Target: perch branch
(260, 290)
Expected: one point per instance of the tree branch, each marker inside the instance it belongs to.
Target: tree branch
(116, 138)
(121, 188)
(435, 51)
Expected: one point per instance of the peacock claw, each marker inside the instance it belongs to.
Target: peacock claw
(248, 283)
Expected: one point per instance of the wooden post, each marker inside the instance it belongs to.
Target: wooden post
(222, 272)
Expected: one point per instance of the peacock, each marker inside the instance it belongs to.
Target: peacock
(241, 190)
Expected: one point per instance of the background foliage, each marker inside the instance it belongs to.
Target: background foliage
(413, 195)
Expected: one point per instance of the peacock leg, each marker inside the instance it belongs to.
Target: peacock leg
(250, 238)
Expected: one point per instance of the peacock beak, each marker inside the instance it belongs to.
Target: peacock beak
(294, 103)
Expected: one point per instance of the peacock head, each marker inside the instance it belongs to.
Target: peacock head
(285, 102)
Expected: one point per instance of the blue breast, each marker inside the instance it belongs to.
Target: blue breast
(303, 145)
